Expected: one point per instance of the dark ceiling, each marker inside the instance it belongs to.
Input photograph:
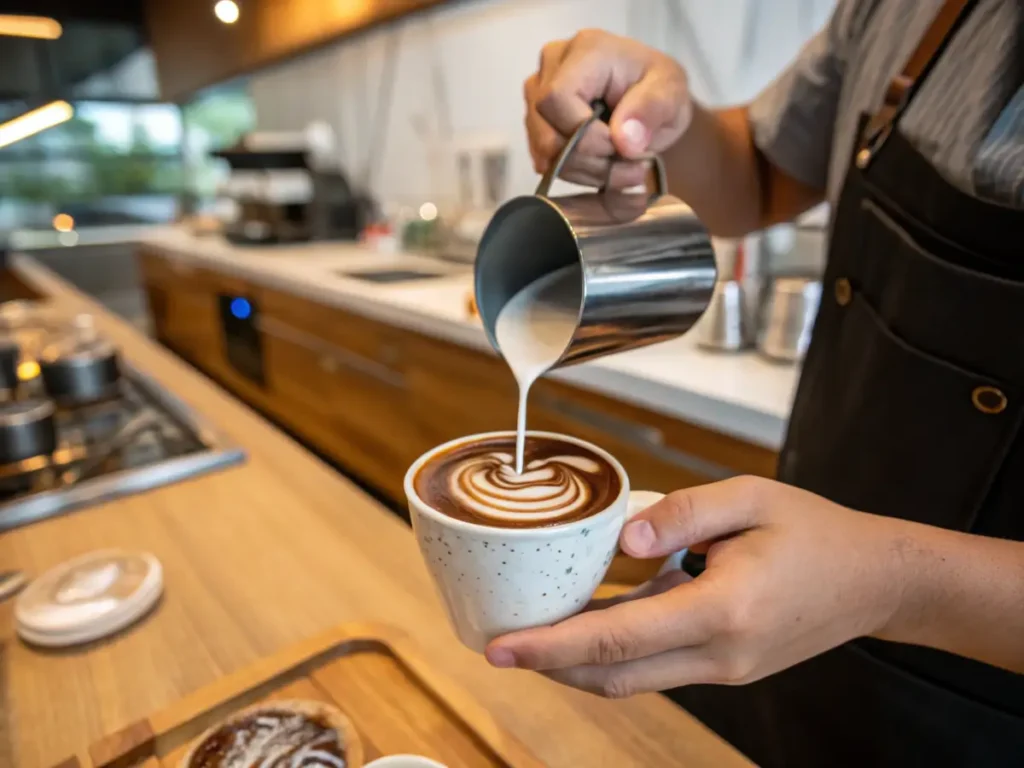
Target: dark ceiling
(126, 11)
(97, 35)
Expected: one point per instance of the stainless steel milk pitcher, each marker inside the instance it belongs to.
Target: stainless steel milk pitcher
(646, 261)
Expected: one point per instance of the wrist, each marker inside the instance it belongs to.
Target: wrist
(713, 168)
(912, 578)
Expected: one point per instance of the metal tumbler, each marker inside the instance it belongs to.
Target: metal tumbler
(646, 262)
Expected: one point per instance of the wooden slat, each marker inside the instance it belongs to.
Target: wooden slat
(124, 748)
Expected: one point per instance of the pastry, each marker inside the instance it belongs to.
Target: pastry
(279, 734)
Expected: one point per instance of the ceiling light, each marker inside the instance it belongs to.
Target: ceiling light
(227, 11)
(31, 123)
(38, 27)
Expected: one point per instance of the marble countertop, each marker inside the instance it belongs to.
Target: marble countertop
(742, 395)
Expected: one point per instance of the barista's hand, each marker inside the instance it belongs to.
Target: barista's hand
(790, 575)
(646, 90)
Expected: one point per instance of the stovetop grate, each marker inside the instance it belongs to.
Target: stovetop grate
(173, 444)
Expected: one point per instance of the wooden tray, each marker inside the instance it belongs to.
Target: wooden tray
(397, 703)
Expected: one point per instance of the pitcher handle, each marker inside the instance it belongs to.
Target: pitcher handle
(601, 112)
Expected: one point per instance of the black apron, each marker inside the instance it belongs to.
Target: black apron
(910, 405)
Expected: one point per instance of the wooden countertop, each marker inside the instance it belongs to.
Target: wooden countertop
(256, 558)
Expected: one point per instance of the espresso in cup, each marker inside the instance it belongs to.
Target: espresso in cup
(476, 481)
(507, 551)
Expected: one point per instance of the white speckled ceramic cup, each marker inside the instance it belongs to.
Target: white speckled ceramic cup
(498, 580)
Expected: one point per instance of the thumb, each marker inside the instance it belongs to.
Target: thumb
(652, 110)
(695, 515)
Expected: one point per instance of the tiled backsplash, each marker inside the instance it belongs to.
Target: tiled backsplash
(458, 75)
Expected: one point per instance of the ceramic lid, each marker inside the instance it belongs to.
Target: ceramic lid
(89, 597)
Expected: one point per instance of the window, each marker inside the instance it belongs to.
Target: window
(216, 119)
(112, 163)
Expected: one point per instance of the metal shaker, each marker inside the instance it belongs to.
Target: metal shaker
(789, 319)
(646, 262)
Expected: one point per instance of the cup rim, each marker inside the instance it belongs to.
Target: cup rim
(428, 511)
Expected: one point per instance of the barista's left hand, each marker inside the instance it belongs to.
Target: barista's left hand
(789, 575)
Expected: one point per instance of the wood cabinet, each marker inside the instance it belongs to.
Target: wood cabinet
(342, 380)
(373, 397)
(183, 305)
(193, 49)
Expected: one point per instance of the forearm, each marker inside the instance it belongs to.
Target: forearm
(716, 168)
(960, 593)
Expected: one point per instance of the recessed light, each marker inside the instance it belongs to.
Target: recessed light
(227, 11)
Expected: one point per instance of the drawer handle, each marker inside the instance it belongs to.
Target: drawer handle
(331, 358)
(649, 439)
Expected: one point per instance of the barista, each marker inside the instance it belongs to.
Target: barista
(868, 609)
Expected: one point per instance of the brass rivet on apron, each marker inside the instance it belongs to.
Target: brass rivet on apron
(863, 158)
(989, 400)
(843, 292)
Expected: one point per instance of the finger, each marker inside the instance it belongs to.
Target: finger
(630, 630)
(551, 56)
(546, 143)
(694, 515)
(584, 179)
(602, 173)
(671, 669)
(564, 97)
(548, 140)
(626, 174)
(655, 586)
(651, 114)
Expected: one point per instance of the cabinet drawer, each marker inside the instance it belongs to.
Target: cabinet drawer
(352, 408)
(380, 343)
(186, 320)
(656, 446)
(650, 464)
(457, 391)
(157, 268)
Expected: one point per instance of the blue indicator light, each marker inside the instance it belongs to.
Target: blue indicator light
(241, 308)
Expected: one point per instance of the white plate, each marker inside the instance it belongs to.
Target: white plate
(89, 597)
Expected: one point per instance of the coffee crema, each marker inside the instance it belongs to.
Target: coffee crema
(271, 738)
(476, 481)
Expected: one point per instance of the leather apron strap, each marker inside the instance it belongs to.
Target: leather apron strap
(904, 85)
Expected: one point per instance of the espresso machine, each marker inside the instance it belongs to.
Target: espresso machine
(283, 190)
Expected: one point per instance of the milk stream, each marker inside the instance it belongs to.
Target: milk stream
(532, 331)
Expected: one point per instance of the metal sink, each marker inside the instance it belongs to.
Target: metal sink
(390, 276)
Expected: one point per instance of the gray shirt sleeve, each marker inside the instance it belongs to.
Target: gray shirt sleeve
(794, 117)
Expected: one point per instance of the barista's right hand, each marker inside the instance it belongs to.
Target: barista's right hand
(646, 90)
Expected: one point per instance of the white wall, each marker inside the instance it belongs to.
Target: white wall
(459, 74)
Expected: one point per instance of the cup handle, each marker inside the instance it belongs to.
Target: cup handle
(641, 500)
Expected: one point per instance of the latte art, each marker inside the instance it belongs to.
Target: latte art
(546, 491)
(561, 482)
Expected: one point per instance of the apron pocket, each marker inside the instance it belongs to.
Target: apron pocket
(868, 405)
(924, 294)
